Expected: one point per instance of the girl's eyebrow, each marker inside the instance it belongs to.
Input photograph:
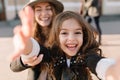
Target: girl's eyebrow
(75, 29)
(80, 28)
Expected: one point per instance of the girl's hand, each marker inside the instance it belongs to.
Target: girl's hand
(23, 33)
(113, 73)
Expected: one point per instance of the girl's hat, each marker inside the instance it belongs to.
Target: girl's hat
(56, 4)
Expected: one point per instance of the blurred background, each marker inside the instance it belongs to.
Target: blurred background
(109, 21)
(10, 8)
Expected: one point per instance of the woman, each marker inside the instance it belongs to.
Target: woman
(40, 16)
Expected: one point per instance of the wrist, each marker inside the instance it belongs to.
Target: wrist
(34, 50)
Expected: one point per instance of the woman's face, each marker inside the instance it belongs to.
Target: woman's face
(71, 37)
(43, 14)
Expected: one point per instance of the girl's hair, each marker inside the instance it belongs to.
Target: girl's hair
(89, 41)
(40, 34)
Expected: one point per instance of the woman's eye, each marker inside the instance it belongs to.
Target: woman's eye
(63, 33)
(38, 10)
(49, 8)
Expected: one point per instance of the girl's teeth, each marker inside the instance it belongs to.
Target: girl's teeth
(44, 18)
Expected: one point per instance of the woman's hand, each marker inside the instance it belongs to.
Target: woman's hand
(23, 33)
(32, 61)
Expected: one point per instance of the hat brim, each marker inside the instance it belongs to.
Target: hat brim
(57, 5)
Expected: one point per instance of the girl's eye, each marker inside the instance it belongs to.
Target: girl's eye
(78, 33)
(63, 33)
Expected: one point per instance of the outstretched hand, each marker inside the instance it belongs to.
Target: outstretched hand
(113, 73)
(23, 33)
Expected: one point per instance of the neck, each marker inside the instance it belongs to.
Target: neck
(45, 30)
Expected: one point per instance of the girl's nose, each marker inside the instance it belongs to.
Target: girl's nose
(71, 37)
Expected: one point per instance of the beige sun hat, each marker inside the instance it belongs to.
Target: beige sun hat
(57, 4)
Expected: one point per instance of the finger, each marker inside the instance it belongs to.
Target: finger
(110, 78)
(36, 61)
(30, 14)
(19, 42)
(29, 60)
(24, 21)
(28, 21)
(21, 15)
(39, 59)
(14, 56)
(16, 29)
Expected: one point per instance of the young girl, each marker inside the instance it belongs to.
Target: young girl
(74, 50)
(38, 16)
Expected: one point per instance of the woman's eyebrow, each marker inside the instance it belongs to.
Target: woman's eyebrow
(40, 6)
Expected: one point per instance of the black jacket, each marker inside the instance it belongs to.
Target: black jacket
(76, 71)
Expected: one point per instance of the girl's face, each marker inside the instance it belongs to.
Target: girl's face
(71, 37)
(43, 14)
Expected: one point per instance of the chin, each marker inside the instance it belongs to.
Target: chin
(44, 25)
(72, 54)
